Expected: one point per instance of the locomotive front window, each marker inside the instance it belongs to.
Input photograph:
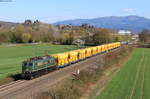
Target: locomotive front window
(30, 64)
(27, 64)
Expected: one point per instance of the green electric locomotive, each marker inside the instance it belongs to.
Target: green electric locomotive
(37, 66)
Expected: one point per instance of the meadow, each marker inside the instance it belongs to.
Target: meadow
(11, 56)
(132, 81)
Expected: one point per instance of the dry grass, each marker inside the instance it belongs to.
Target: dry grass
(6, 80)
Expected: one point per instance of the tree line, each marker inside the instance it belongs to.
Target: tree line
(144, 36)
(36, 31)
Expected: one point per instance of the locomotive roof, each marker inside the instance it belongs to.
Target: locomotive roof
(39, 58)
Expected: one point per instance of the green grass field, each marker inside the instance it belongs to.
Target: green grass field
(11, 57)
(133, 80)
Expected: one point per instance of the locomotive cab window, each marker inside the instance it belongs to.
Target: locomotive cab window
(30, 64)
(27, 64)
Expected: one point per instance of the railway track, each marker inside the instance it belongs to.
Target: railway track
(12, 84)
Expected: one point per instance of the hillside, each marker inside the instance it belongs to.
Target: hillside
(4, 24)
(134, 23)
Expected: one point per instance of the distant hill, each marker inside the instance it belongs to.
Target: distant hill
(4, 24)
(133, 23)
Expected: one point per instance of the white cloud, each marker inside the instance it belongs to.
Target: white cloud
(128, 10)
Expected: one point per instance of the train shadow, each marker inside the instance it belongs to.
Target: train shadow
(16, 77)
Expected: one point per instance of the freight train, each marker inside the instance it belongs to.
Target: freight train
(37, 66)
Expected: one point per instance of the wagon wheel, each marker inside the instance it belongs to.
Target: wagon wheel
(31, 77)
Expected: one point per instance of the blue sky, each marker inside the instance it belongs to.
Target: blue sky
(50, 11)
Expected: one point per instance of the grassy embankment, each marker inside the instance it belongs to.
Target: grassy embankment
(132, 81)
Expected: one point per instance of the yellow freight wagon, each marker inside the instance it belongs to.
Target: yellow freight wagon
(117, 44)
(105, 47)
(111, 46)
(94, 50)
(81, 53)
(114, 45)
(88, 52)
(62, 59)
(72, 56)
(99, 49)
(108, 46)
